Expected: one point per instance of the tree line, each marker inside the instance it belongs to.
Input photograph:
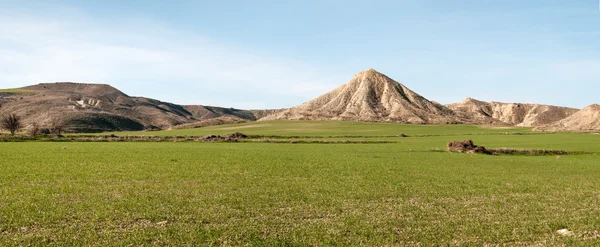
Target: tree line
(13, 123)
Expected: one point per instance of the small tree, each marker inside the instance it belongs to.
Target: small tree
(57, 127)
(34, 129)
(12, 123)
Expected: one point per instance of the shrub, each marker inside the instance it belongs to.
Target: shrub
(12, 123)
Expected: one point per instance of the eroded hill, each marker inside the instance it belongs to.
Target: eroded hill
(517, 114)
(98, 107)
(373, 97)
(588, 119)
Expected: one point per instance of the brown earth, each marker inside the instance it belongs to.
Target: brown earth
(98, 107)
(466, 146)
(517, 114)
(588, 119)
(373, 97)
(235, 137)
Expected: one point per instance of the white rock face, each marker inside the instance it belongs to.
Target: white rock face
(85, 103)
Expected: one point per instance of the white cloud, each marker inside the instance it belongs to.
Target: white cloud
(149, 59)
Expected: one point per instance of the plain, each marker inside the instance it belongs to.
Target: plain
(407, 192)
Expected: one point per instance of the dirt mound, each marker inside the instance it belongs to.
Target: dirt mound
(588, 119)
(235, 137)
(238, 135)
(466, 146)
(88, 107)
(373, 97)
(498, 113)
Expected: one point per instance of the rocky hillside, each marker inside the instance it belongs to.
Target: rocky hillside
(588, 119)
(523, 115)
(370, 96)
(98, 107)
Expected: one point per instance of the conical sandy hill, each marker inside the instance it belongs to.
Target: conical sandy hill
(370, 96)
(588, 119)
(523, 115)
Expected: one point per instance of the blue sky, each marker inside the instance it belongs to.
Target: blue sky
(275, 54)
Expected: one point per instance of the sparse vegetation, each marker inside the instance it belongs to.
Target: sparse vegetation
(57, 127)
(34, 129)
(12, 123)
(533, 151)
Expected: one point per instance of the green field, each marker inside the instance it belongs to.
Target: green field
(404, 193)
(332, 128)
(15, 90)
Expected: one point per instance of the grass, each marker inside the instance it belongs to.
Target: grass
(15, 90)
(310, 194)
(330, 128)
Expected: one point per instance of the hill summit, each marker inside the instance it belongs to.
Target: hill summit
(370, 96)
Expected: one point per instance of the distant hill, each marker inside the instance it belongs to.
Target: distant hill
(518, 114)
(588, 119)
(374, 97)
(98, 107)
(369, 96)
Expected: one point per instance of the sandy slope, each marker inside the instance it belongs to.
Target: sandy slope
(588, 119)
(523, 115)
(370, 96)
